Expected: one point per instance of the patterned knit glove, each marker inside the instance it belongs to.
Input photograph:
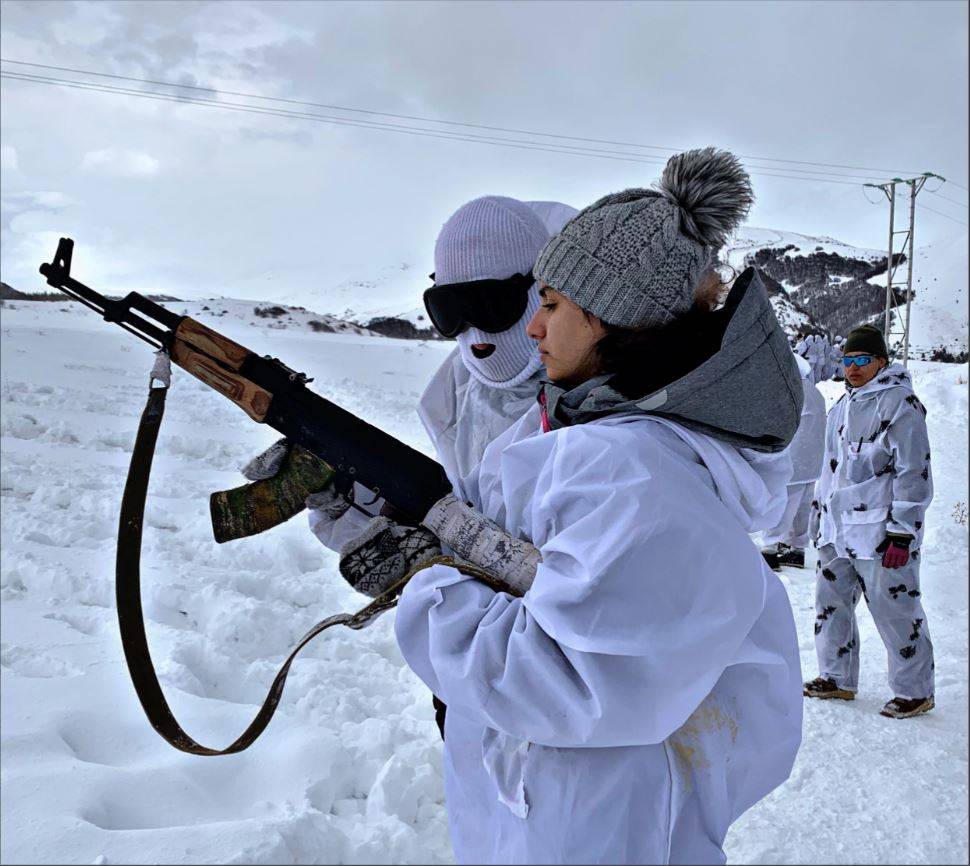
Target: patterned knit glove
(384, 553)
(482, 542)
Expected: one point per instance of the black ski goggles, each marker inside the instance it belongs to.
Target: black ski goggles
(489, 305)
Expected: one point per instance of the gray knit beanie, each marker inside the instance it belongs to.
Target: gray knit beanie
(634, 258)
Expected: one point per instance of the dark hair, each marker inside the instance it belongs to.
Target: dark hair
(643, 360)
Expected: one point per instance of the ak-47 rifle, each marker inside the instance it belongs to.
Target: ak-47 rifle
(331, 445)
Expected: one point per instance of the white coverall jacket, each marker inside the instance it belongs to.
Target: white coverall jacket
(806, 449)
(646, 690)
(462, 416)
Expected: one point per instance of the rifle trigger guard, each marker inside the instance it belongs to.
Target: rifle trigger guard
(343, 483)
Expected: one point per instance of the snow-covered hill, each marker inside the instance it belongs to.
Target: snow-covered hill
(350, 769)
(826, 285)
(822, 284)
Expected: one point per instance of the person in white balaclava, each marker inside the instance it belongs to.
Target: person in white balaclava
(492, 378)
(484, 295)
(785, 543)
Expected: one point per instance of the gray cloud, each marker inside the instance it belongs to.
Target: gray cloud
(244, 201)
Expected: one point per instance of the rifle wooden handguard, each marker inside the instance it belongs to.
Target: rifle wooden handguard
(194, 348)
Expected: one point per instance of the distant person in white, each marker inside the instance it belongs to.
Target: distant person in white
(868, 521)
(836, 357)
(785, 543)
(818, 357)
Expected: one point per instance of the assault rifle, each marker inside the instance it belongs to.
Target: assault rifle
(349, 449)
(331, 445)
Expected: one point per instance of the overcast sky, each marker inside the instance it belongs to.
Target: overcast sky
(197, 200)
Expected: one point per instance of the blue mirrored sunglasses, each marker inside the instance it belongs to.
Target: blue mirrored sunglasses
(858, 360)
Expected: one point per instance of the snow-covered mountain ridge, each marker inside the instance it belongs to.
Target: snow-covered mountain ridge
(816, 283)
(826, 285)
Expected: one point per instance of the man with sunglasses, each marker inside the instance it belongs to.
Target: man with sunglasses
(868, 521)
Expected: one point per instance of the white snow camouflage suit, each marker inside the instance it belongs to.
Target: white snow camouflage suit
(818, 357)
(876, 478)
(646, 690)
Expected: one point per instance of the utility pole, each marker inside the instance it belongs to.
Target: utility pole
(904, 283)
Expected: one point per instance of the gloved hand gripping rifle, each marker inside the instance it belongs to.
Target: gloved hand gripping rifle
(332, 445)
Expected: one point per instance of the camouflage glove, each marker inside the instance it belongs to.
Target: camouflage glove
(483, 543)
(384, 553)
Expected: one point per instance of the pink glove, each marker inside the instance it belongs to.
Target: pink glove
(895, 556)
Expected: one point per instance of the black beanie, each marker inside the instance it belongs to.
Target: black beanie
(866, 338)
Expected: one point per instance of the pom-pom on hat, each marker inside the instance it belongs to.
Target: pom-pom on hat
(634, 258)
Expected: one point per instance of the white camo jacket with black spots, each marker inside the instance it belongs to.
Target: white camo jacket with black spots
(876, 476)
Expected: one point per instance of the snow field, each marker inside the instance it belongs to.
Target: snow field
(349, 771)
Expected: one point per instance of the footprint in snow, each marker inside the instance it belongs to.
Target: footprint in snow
(28, 662)
(84, 623)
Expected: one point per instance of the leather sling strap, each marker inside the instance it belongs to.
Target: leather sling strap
(131, 617)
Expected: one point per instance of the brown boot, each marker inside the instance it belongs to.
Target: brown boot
(821, 687)
(904, 708)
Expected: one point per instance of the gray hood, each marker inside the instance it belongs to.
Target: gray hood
(748, 393)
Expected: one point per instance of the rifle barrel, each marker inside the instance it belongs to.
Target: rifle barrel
(58, 275)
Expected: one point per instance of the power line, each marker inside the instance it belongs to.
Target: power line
(940, 213)
(295, 115)
(446, 122)
(535, 145)
(419, 131)
(945, 198)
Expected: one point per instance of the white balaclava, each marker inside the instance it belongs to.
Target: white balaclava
(493, 238)
(554, 214)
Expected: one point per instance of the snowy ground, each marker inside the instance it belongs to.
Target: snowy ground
(349, 770)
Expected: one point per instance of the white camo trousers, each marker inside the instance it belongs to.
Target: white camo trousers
(893, 597)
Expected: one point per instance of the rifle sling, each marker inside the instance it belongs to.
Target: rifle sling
(131, 618)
